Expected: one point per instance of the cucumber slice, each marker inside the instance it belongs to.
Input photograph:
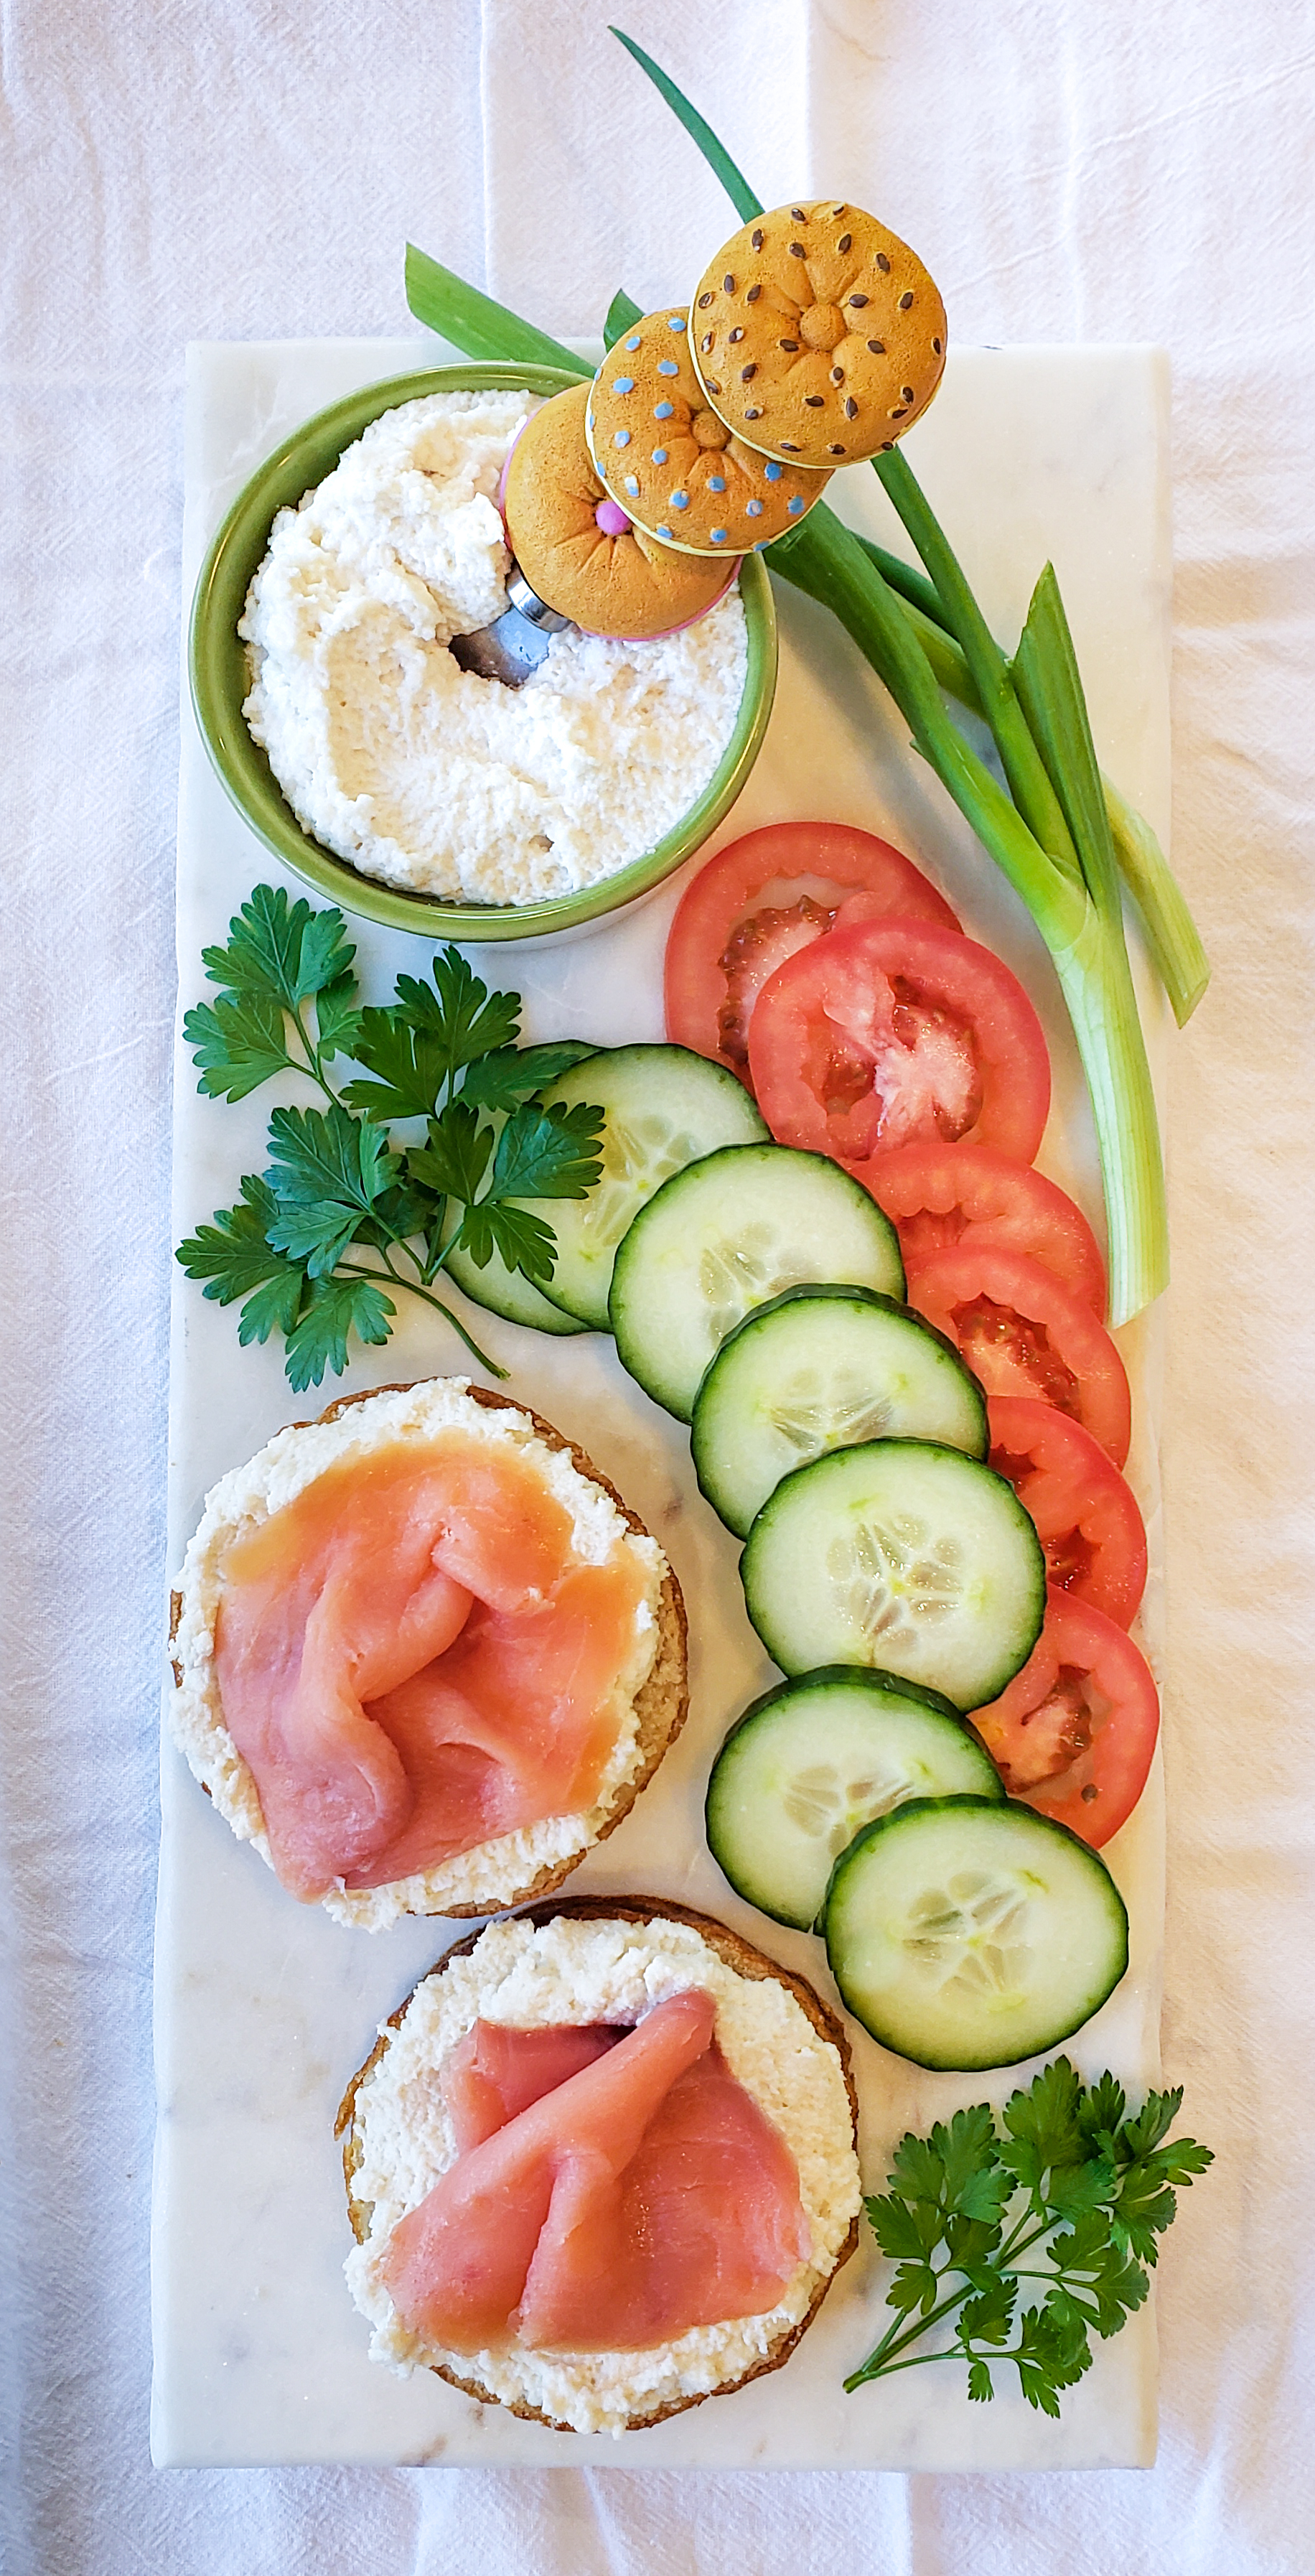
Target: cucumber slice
(823, 1368)
(902, 1554)
(665, 1106)
(508, 1293)
(813, 1761)
(964, 1934)
(727, 1235)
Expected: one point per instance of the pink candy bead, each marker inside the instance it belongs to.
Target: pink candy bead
(612, 519)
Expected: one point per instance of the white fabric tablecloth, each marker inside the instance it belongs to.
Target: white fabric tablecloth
(1069, 173)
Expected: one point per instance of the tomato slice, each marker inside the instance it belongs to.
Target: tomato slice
(1074, 1733)
(1084, 1511)
(1023, 1333)
(898, 1032)
(760, 899)
(939, 1196)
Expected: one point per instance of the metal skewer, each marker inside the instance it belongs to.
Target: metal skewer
(515, 644)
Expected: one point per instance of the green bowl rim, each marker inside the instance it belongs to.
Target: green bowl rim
(219, 681)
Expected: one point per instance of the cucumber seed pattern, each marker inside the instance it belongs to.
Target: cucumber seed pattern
(814, 1416)
(972, 1934)
(638, 1154)
(821, 1806)
(737, 1273)
(892, 1578)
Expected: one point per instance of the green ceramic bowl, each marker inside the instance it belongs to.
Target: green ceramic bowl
(220, 681)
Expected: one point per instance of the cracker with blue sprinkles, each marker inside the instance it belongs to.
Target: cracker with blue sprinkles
(582, 554)
(666, 455)
(818, 334)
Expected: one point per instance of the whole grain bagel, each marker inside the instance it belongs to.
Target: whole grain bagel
(508, 1870)
(814, 2095)
(818, 334)
(666, 454)
(608, 580)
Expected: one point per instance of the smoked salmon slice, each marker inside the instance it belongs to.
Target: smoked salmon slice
(497, 2071)
(641, 2196)
(411, 1661)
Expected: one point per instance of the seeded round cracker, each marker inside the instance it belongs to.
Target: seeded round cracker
(610, 581)
(818, 334)
(669, 459)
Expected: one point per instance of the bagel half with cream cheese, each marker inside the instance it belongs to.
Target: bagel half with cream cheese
(424, 1656)
(488, 2180)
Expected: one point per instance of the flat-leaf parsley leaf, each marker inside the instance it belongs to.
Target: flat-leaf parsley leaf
(1060, 2190)
(345, 1215)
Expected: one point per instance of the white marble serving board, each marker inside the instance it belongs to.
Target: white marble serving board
(264, 2008)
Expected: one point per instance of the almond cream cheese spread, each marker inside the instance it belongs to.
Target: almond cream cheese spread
(428, 776)
(571, 1971)
(495, 1871)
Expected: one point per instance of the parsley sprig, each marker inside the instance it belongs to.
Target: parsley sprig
(345, 1216)
(1062, 2189)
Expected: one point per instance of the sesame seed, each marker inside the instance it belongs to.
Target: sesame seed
(835, 451)
(858, 299)
(837, 210)
(712, 389)
(898, 412)
(797, 215)
(837, 375)
(937, 347)
(851, 408)
(753, 413)
(845, 242)
(787, 344)
(878, 348)
(707, 339)
(738, 332)
(756, 237)
(814, 401)
(883, 263)
(797, 251)
(906, 393)
(728, 284)
(788, 447)
(747, 374)
(906, 299)
(753, 295)
(705, 301)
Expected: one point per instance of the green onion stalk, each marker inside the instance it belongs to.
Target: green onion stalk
(1064, 837)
